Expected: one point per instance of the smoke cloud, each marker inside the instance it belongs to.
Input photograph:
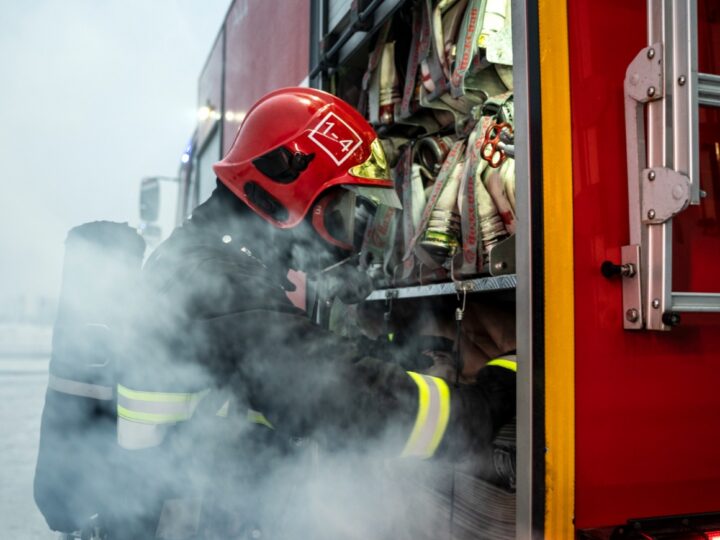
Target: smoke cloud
(311, 474)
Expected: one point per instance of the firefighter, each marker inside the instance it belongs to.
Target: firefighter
(218, 336)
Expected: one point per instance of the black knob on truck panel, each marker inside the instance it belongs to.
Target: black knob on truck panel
(671, 318)
(609, 269)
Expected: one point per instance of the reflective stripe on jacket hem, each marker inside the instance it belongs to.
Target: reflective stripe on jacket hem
(432, 417)
(81, 389)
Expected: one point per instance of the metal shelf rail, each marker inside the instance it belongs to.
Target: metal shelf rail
(484, 284)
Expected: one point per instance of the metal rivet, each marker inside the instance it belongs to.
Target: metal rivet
(632, 315)
(651, 53)
(651, 214)
(651, 91)
(682, 80)
(227, 239)
(703, 193)
(651, 175)
(656, 303)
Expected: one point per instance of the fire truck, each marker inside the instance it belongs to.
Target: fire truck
(608, 112)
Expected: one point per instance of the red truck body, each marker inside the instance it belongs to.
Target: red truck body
(646, 403)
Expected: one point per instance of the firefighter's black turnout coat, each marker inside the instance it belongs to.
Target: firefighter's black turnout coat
(215, 314)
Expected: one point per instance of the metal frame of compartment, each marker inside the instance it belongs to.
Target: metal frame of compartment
(330, 48)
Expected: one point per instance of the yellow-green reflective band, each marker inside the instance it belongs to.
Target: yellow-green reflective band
(156, 407)
(224, 410)
(143, 417)
(504, 363)
(420, 420)
(432, 417)
(257, 417)
(151, 418)
(167, 397)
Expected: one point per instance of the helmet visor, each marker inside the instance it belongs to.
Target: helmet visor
(334, 218)
(375, 167)
(336, 213)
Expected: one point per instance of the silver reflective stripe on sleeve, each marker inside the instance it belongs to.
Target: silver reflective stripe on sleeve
(133, 435)
(81, 389)
(432, 416)
(143, 416)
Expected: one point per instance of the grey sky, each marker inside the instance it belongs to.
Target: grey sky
(94, 95)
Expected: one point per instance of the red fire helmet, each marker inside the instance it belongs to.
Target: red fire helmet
(295, 144)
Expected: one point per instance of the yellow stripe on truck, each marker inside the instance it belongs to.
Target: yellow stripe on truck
(558, 272)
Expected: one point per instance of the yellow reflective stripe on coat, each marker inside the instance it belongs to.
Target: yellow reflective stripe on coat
(151, 418)
(224, 410)
(432, 417)
(256, 417)
(143, 416)
(506, 363)
(168, 397)
(156, 407)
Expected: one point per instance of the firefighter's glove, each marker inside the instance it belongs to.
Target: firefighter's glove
(347, 283)
(412, 353)
(479, 411)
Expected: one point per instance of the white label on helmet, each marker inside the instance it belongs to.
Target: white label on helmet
(337, 139)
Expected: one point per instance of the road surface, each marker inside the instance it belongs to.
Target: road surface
(22, 394)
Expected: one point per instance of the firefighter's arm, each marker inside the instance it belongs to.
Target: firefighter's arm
(307, 381)
(448, 420)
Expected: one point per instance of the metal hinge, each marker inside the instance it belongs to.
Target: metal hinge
(665, 193)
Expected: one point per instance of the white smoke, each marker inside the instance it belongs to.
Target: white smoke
(310, 476)
(94, 97)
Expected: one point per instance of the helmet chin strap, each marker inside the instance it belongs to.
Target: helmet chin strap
(353, 258)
